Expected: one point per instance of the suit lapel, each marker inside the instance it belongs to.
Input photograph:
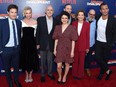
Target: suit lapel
(46, 24)
(52, 26)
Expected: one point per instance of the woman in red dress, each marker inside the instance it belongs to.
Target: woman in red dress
(65, 36)
(81, 46)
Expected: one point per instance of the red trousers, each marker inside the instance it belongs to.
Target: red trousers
(78, 65)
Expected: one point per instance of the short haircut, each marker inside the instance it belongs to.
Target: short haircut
(103, 4)
(12, 6)
(82, 12)
(65, 13)
(25, 9)
(67, 5)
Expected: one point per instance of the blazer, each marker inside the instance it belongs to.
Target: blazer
(43, 38)
(110, 30)
(82, 42)
(5, 32)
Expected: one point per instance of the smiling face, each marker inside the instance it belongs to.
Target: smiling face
(28, 14)
(80, 16)
(49, 11)
(104, 10)
(68, 9)
(12, 13)
(64, 19)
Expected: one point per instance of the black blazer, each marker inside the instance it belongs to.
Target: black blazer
(43, 38)
(110, 30)
(5, 32)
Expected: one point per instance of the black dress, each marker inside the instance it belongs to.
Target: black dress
(29, 58)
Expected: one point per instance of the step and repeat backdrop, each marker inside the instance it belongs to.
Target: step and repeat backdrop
(39, 6)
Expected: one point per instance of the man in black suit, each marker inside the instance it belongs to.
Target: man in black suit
(45, 43)
(10, 35)
(67, 8)
(106, 36)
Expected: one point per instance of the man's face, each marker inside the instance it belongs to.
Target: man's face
(68, 9)
(12, 13)
(49, 11)
(104, 10)
(91, 14)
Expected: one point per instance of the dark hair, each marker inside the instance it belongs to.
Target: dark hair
(65, 13)
(102, 4)
(67, 5)
(12, 6)
(82, 12)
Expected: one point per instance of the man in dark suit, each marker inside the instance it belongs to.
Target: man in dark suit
(106, 36)
(10, 35)
(67, 8)
(45, 43)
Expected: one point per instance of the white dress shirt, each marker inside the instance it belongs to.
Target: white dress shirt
(11, 37)
(49, 24)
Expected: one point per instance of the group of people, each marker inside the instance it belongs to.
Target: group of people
(65, 39)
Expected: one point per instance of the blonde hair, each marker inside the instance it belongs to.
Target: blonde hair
(25, 9)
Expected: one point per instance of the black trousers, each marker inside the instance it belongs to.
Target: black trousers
(103, 52)
(10, 58)
(89, 57)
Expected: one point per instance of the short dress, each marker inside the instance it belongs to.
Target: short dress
(63, 49)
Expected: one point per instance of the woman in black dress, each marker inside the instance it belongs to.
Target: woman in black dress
(29, 58)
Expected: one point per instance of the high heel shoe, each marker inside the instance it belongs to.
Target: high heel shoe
(59, 82)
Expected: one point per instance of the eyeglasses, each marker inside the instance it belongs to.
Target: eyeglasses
(92, 14)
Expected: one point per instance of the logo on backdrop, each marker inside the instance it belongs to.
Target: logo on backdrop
(69, 1)
(95, 3)
(38, 1)
(6, 1)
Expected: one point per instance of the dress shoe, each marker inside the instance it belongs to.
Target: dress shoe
(76, 78)
(17, 83)
(11, 84)
(100, 76)
(59, 82)
(108, 75)
(51, 77)
(42, 79)
(30, 80)
(88, 72)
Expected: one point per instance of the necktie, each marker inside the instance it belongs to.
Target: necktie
(14, 33)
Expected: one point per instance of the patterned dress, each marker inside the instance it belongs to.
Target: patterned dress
(63, 49)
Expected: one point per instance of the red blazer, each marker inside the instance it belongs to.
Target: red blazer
(83, 40)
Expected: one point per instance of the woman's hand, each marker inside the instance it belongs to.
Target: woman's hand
(55, 52)
(72, 54)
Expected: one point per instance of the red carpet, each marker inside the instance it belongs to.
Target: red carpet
(86, 82)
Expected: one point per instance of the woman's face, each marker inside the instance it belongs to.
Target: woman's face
(80, 16)
(28, 14)
(64, 19)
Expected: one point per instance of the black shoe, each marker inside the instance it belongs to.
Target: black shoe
(77, 78)
(100, 76)
(17, 83)
(11, 84)
(63, 82)
(108, 75)
(51, 77)
(42, 79)
(59, 82)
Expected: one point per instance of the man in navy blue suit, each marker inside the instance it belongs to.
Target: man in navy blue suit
(10, 35)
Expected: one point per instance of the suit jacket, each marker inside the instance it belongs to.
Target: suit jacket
(43, 38)
(83, 40)
(5, 32)
(110, 30)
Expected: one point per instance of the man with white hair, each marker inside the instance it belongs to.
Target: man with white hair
(92, 21)
(45, 43)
